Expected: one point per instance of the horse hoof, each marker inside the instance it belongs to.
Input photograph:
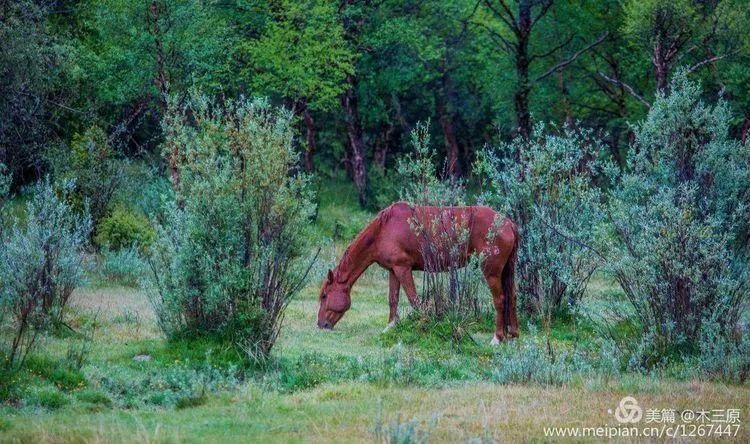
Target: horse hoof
(495, 340)
(389, 326)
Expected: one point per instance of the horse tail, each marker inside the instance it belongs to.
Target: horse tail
(508, 275)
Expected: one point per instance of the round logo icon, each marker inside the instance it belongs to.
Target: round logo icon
(628, 411)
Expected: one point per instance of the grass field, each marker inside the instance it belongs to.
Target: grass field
(323, 386)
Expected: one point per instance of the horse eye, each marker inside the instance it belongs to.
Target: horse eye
(324, 296)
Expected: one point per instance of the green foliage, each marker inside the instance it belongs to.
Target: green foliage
(384, 187)
(459, 291)
(30, 62)
(548, 188)
(644, 21)
(116, 57)
(530, 361)
(124, 228)
(451, 333)
(41, 263)
(680, 225)
(421, 178)
(301, 54)
(227, 260)
(94, 397)
(397, 432)
(124, 266)
(93, 167)
(48, 398)
(723, 357)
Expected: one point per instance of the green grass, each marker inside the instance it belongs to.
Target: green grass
(329, 385)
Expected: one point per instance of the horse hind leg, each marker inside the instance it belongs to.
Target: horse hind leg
(498, 299)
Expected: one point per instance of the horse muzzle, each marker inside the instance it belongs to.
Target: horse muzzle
(325, 325)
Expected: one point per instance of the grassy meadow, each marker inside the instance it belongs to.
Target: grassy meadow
(353, 384)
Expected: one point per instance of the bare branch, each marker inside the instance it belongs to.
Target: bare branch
(555, 49)
(510, 48)
(698, 65)
(572, 58)
(542, 12)
(627, 88)
(510, 20)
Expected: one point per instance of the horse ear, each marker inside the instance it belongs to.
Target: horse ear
(330, 276)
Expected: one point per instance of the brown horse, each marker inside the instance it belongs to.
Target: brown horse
(390, 241)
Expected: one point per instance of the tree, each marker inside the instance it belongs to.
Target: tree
(513, 28)
(352, 16)
(680, 224)
(129, 55)
(301, 57)
(29, 65)
(680, 32)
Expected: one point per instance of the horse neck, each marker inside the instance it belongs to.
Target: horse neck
(357, 256)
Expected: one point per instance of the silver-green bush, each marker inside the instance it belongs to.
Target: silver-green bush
(41, 263)
(459, 290)
(680, 218)
(229, 256)
(547, 187)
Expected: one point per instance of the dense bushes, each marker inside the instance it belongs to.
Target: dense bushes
(41, 263)
(680, 226)
(547, 186)
(444, 239)
(122, 229)
(226, 260)
(93, 167)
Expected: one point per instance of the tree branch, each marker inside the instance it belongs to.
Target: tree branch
(553, 50)
(698, 65)
(510, 48)
(572, 58)
(510, 20)
(626, 87)
(542, 12)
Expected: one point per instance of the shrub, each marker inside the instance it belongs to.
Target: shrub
(228, 258)
(92, 165)
(123, 229)
(459, 290)
(397, 432)
(547, 187)
(680, 226)
(125, 266)
(41, 263)
(48, 398)
(530, 361)
(721, 357)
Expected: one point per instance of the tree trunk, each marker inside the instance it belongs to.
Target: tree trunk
(382, 143)
(661, 69)
(745, 130)
(354, 138)
(160, 79)
(565, 93)
(523, 87)
(451, 142)
(310, 129)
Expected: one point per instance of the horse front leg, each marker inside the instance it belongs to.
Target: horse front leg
(404, 276)
(393, 289)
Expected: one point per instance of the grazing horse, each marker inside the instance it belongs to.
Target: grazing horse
(390, 241)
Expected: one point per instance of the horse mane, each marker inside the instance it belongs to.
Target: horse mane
(364, 239)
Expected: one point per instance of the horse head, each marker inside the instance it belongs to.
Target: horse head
(334, 302)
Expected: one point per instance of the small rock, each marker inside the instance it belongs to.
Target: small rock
(142, 358)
